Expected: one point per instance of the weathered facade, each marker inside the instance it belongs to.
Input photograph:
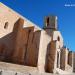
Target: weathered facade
(24, 43)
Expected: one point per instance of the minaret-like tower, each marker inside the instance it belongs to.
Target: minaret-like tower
(50, 24)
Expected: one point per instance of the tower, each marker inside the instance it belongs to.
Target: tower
(50, 22)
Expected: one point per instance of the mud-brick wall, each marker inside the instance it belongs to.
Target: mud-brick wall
(33, 48)
(26, 44)
(70, 58)
(21, 37)
(21, 46)
(50, 58)
(7, 20)
(6, 47)
(62, 58)
(6, 43)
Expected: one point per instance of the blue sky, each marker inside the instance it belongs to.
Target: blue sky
(35, 10)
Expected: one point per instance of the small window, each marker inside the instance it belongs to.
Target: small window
(58, 38)
(57, 59)
(6, 25)
(47, 21)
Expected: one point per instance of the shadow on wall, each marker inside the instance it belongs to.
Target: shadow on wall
(6, 47)
(7, 43)
(21, 45)
(50, 57)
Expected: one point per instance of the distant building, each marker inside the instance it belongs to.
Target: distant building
(24, 43)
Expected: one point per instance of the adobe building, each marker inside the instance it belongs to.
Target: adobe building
(27, 48)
